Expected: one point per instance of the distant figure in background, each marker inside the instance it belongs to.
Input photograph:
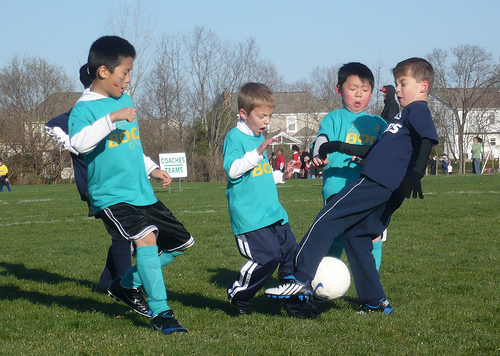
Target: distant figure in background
(476, 154)
(433, 164)
(444, 165)
(272, 161)
(450, 168)
(296, 158)
(391, 107)
(280, 161)
(4, 180)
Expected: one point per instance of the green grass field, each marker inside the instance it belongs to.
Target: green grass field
(440, 270)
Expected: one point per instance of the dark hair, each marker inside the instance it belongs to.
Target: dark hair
(417, 68)
(295, 148)
(355, 68)
(108, 51)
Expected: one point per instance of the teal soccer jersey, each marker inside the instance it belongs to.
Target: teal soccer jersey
(252, 198)
(116, 169)
(359, 129)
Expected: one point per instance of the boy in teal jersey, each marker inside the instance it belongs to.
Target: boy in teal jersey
(103, 127)
(259, 222)
(350, 125)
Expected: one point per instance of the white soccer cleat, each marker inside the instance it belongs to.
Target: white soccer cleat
(294, 288)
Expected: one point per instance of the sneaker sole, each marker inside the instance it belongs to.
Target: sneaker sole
(300, 297)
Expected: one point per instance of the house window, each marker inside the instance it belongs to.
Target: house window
(492, 119)
(291, 123)
(493, 141)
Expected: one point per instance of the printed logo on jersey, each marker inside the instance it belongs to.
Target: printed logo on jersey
(123, 136)
(355, 137)
(393, 128)
(260, 169)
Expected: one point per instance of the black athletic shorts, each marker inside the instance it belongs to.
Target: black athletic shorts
(131, 222)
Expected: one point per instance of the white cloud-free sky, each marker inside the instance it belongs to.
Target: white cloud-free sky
(296, 36)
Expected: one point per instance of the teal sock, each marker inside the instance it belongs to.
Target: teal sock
(336, 248)
(377, 253)
(149, 269)
(131, 278)
(167, 257)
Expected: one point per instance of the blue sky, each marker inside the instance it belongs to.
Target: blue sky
(296, 36)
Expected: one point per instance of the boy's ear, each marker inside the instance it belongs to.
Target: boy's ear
(424, 86)
(102, 72)
(337, 89)
(243, 114)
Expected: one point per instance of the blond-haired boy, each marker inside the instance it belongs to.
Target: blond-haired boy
(259, 222)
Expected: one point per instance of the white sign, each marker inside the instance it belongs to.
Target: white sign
(174, 163)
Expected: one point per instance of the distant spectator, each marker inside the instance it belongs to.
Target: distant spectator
(391, 107)
(450, 168)
(444, 165)
(4, 180)
(433, 164)
(296, 158)
(272, 161)
(280, 161)
(476, 154)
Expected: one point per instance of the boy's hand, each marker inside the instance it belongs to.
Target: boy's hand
(319, 162)
(123, 114)
(289, 169)
(411, 184)
(265, 144)
(162, 175)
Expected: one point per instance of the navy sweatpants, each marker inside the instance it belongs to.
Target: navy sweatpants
(361, 211)
(266, 249)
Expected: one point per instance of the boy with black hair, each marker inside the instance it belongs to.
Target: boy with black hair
(350, 124)
(393, 168)
(103, 127)
(259, 222)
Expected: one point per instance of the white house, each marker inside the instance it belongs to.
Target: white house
(483, 120)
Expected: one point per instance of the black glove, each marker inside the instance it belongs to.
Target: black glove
(328, 147)
(411, 183)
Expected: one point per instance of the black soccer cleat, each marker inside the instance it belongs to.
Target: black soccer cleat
(302, 309)
(166, 323)
(130, 296)
(383, 307)
(241, 307)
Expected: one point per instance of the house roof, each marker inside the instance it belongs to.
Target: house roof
(481, 98)
(286, 103)
(298, 102)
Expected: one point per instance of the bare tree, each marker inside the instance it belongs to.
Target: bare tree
(166, 106)
(323, 82)
(138, 27)
(30, 94)
(461, 75)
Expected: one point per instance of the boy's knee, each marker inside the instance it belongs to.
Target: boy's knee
(148, 240)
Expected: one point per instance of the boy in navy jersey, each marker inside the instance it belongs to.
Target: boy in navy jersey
(393, 168)
(259, 222)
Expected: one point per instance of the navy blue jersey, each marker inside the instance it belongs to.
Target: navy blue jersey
(394, 154)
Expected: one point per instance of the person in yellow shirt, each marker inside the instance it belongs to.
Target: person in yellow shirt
(3, 177)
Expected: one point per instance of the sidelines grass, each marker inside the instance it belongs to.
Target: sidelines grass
(440, 270)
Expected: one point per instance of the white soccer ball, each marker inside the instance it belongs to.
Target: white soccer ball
(332, 279)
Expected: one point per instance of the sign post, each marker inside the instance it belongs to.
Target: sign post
(175, 164)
